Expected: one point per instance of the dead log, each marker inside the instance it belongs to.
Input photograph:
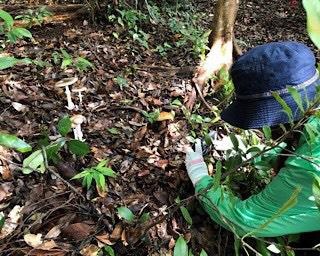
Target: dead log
(19, 8)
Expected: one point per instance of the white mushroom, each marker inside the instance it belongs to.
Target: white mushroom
(66, 82)
(76, 121)
(79, 91)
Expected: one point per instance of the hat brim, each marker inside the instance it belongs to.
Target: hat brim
(256, 113)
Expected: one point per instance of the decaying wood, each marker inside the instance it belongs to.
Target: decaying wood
(52, 8)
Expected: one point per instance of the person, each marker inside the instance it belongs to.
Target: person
(268, 68)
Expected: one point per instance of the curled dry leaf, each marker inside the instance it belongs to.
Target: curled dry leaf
(104, 239)
(53, 233)
(90, 250)
(47, 245)
(33, 240)
(11, 222)
(165, 116)
(19, 107)
(124, 238)
(116, 233)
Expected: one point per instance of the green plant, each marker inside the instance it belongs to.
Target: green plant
(35, 17)
(184, 211)
(121, 82)
(108, 250)
(97, 173)
(48, 151)
(181, 248)
(130, 19)
(66, 60)
(184, 24)
(163, 49)
(8, 29)
(151, 116)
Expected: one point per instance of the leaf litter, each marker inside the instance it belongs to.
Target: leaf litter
(42, 215)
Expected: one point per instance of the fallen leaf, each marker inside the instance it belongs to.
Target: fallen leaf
(19, 107)
(11, 222)
(165, 116)
(104, 239)
(124, 238)
(47, 245)
(116, 233)
(5, 190)
(33, 240)
(77, 231)
(90, 250)
(53, 233)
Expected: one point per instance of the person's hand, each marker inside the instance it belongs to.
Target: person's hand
(195, 164)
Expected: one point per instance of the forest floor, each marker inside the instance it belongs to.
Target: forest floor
(147, 154)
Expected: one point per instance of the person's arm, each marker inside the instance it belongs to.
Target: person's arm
(246, 216)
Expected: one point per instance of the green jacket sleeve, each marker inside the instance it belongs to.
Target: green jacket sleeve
(245, 216)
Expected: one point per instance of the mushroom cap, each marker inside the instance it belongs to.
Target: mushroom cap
(66, 82)
(77, 119)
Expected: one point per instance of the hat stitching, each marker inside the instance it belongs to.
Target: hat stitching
(281, 91)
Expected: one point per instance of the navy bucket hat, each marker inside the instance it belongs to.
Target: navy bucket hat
(271, 67)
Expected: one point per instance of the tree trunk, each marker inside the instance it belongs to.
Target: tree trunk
(221, 42)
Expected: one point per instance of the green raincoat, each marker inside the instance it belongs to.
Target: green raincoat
(246, 216)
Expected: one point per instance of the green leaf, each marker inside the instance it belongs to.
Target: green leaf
(267, 132)
(77, 147)
(203, 253)
(186, 215)
(144, 217)
(106, 171)
(296, 97)
(101, 181)
(102, 163)
(310, 132)
(217, 176)
(125, 213)
(312, 8)
(89, 177)
(11, 141)
(114, 131)
(81, 174)
(21, 32)
(7, 18)
(64, 125)
(2, 221)
(316, 190)
(34, 162)
(234, 141)
(180, 248)
(108, 250)
(7, 62)
(82, 64)
(65, 63)
(284, 105)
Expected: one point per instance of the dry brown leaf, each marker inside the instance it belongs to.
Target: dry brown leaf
(77, 231)
(165, 116)
(105, 239)
(11, 222)
(124, 238)
(33, 240)
(5, 190)
(116, 233)
(90, 250)
(53, 233)
(47, 245)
